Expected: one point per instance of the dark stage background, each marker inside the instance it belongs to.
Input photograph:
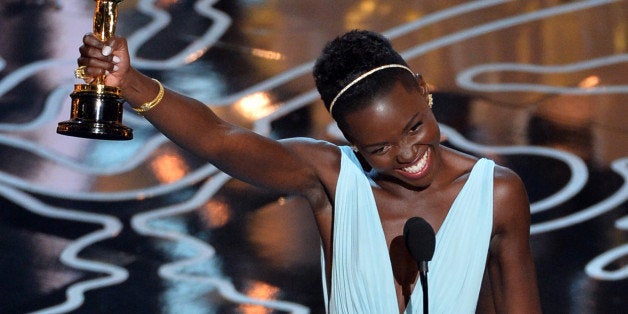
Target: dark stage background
(143, 227)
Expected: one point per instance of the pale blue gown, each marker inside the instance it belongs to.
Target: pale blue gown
(361, 276)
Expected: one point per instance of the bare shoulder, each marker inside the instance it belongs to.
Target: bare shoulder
(322, 156)
(508, 185)
(310, 145)
(322, 152)
(511, 206)
(512, 266)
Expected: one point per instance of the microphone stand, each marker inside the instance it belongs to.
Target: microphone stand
(421, 241)
(423, 278)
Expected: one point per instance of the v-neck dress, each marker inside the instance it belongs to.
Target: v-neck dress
(361, 276)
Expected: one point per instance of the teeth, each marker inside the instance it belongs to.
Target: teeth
(418, 166)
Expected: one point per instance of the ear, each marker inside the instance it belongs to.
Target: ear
(354, 148)
(423, 89)
(346, 134)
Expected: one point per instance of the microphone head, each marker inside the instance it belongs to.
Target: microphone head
(420, 239)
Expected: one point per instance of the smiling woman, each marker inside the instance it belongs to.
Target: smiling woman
(384, 111)
(144, 226)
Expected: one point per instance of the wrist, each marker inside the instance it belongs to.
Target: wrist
(138, 89)
(148, 105)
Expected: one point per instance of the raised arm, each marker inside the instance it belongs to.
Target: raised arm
(511, 268)
(239, 152)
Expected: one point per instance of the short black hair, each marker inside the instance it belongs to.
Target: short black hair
(347, 57)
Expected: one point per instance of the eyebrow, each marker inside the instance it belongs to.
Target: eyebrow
(411, 121)
(408, 126)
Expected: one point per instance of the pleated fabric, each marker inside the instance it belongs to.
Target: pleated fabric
(362, 279)
(462, 243)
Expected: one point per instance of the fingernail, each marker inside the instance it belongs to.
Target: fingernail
(116, 59)
(115, 68)
(106, 50)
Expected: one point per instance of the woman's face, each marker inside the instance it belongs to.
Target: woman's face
(398, 136)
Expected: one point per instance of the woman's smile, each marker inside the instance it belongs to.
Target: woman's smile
(419, 167)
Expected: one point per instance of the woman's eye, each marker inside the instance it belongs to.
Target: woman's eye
(415, 127)
(379, 150)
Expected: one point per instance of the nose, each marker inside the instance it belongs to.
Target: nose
(407, 152)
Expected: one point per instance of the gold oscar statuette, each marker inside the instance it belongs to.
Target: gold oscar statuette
(96, 110)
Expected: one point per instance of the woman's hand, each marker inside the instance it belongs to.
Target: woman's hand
(110, 59)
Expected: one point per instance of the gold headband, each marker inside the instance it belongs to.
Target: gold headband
(363, 76)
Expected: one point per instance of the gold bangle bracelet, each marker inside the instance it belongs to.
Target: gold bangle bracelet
(151, 104)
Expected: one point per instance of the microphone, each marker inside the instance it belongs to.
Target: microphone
(420, 240)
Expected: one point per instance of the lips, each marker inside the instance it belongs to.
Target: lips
(418, 168)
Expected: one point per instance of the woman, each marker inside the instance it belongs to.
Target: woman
(480, 211)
